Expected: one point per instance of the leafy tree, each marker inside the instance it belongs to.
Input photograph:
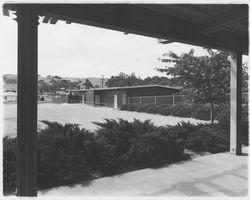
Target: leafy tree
(206, 78)
(57, 77)
(124, 80)
(54, 86)
(245, 77)
(131, 80)
(88, 84)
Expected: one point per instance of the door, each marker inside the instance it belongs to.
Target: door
(115, 101)
(83, 99)
(97, 100)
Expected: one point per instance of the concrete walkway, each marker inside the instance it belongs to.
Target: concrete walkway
(221, 174)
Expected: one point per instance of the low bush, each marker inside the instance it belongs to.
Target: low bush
(63, 156)
(223, 119)
(153, 149)
(131, 145)
(9, 164)
(201, 137)
(198, 111)
(67, 154)
(129, 107)
(63, 153)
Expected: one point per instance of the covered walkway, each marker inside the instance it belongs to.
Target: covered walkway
(220, 26)
(221, 174)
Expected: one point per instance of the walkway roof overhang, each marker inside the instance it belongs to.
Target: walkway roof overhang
(219, 26)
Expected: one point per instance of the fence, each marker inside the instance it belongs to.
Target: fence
(171, 99)
(167, 99)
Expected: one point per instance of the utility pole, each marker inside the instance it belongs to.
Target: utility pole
(102, 80)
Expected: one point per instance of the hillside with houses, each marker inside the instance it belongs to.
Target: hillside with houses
(10, 82)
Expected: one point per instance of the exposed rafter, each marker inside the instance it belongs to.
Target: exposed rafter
(53, 20)
(46, 19)
(197, 9)
(162, 41)
(224, 20)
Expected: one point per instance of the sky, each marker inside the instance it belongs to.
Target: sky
(74, 50)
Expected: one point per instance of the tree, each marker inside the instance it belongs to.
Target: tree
(245, 77)
(206, 78)
(124, 80)
(88, 84)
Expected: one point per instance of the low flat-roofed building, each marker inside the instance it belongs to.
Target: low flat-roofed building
(116, 96)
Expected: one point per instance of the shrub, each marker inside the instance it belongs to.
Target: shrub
(143, 107)
(181, 110)
(223, 118)
(115, 138)
(67, 154)
(201, 137)
(198, 111)
(9, 164)
(201, 112)
(152, 150)
(153, 109)
(62, 154)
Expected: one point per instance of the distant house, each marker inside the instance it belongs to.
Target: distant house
(116, 96)
(9, 96)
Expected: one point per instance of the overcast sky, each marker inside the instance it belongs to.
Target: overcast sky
(83, 51)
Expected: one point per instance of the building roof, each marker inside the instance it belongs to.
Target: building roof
(220, 26)
(128, 87)
(9, 94)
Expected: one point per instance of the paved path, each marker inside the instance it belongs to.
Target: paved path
(221, 174)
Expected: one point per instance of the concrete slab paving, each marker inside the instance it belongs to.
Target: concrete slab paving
(222, 174)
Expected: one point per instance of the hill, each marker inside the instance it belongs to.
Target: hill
(10, 80)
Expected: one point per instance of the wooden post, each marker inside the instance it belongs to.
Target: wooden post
(140, 99)
(235, 102)
(27, 102)
(155, 99)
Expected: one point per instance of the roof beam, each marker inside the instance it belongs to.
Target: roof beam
(223, 20)
(162, 41)
(138, 20)
(6, 12)
(53, 20)
(46, 19)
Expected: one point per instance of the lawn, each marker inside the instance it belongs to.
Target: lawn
(84, 115)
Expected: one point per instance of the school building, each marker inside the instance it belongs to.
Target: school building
(116, 96)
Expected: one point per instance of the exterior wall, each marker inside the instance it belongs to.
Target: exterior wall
(75, 98)
(153, 91)
(107, 97)
(80, 97)
(90, 97)
(60, 99)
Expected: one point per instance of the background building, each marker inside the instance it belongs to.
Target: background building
(116, 96)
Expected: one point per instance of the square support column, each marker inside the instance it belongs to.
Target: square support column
(235, 102)
(27, 102)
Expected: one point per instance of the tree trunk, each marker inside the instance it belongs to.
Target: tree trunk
(212, 112)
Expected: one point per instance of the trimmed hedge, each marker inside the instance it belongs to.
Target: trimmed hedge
(201, 138)
(67, 154)
(198, 111)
